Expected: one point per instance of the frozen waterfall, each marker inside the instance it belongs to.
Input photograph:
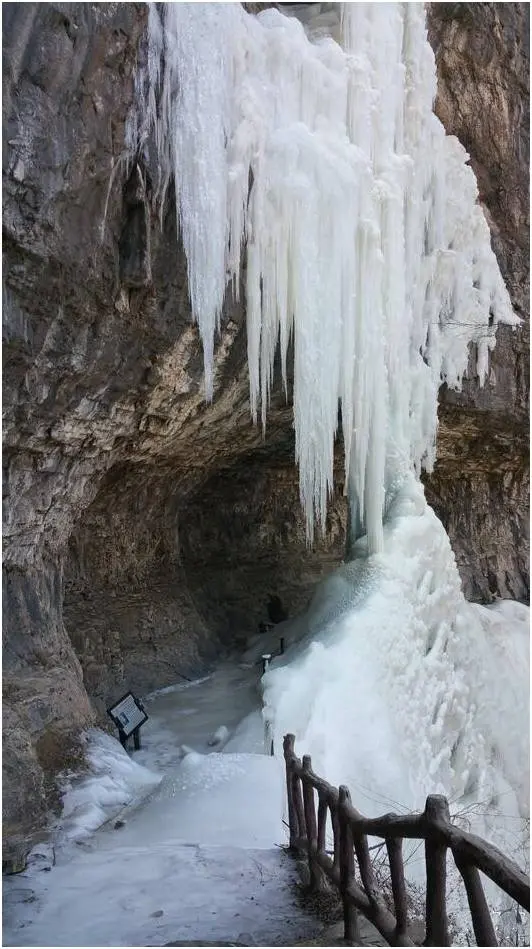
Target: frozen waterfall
(322, 165)
(362, 237)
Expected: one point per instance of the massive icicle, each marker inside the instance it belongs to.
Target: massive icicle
(362, 234)
(365, 245)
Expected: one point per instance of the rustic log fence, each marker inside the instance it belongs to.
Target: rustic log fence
(350, 832)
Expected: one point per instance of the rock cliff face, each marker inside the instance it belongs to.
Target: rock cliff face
(145, 529)
(480, 486)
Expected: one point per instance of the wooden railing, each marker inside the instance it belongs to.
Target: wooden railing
(350, 832)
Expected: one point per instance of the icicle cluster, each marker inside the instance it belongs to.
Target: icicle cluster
(364, 243)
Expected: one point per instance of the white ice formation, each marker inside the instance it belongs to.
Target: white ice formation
(400, 688)
(324, 167)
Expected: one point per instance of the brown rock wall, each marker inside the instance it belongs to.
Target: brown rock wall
(480, 486)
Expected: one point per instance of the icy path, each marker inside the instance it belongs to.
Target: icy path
(197, 860)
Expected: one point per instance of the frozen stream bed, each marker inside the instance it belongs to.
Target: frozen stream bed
(196, 856)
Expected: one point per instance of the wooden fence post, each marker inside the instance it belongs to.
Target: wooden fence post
(317, 878)
(436, 816)
(335, 821)
(299, 809)
(322, 821)
(480, 914)
(366, 870)
(471, 854)
(288, 751)
(394, 846)
(310, 822)
(347, 865)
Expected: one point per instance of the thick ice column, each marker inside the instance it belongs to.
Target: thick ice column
(357, 215)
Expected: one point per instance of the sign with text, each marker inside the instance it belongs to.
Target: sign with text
(128, 714)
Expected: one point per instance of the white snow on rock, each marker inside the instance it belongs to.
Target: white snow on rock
(219, 736)
(114, 781)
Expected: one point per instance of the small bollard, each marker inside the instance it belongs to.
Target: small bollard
(281, 645)
(268, 738)
(266, 661)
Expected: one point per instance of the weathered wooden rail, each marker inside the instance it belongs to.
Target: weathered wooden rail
(350, 832)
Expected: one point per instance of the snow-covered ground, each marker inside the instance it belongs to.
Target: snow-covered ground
(394, 683)
(181, 840)
(197, 855)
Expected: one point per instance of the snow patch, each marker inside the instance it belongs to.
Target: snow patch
(176, 687)
(115, 781)
(219, 736)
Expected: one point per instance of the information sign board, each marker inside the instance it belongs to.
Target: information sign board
(128, 714)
